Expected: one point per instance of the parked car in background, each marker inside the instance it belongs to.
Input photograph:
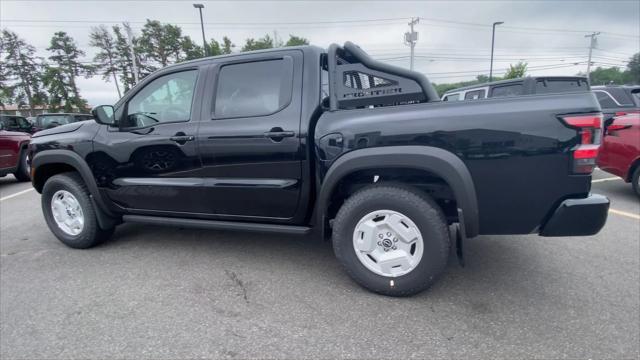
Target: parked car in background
(51, 120)
(620, 150)
(617, 100)
(13, 154)
(516, 87)
(16, 123)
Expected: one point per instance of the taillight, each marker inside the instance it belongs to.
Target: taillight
(589, 127)
(623, 113)
(616, 127)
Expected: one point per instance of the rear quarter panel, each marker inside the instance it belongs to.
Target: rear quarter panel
(516, 149)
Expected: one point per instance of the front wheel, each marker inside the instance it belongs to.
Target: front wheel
(391, 239)
(69, 212)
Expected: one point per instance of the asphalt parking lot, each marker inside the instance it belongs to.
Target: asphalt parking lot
(175, 293)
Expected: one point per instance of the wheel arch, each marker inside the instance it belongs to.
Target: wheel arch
(434, 160)
(52, 162)
(634, 165)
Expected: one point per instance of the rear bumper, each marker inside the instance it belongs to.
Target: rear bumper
(578, 217)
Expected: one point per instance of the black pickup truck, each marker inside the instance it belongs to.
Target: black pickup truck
(303, 140)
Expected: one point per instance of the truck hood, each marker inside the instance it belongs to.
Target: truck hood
(62, 129)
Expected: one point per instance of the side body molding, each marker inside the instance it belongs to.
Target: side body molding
(435, 160)
(71, 158)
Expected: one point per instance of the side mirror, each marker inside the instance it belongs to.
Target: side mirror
(104, 114)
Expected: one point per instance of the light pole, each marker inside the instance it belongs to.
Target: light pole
(493, 39)
(204, 40)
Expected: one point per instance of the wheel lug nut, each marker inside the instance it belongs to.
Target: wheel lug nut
(379, 243)
(395, 239)
(395, 248)
(386, 249)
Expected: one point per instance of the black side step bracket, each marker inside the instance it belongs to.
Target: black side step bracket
(218, 225)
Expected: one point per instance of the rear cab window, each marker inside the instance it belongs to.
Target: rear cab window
(507, 90)
(635, 94)
(547, 86)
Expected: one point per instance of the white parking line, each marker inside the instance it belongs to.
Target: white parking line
(16, 194)
(624, 213)
(606, 179)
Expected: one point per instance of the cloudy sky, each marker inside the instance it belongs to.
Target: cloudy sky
(454, 36)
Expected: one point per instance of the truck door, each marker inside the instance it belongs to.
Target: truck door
(150, 162)
(250, 148)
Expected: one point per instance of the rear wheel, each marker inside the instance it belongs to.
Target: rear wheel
(635, 180)
(23, 173)
(391, 239)
(69, 212)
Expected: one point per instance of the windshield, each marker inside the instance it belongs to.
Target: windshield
(46, 121)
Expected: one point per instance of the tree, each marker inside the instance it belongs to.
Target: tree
(227, 45)
(296, 41)
(160, 45)
(106, 57)
(20, 72)
(60, 76)
(633, 69)
(263, 43)
(517, 71)
(190, 49)
(124, 61)
(606, 76)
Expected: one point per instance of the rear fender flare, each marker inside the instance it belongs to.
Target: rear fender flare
(435, 160)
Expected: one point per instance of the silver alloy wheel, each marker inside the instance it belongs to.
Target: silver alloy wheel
(388, 243)
(67, 212)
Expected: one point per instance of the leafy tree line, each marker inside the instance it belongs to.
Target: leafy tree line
(30, 80)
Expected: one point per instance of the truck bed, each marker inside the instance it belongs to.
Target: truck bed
(516, 149)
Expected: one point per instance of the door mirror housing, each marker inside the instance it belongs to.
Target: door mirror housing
(104, 114)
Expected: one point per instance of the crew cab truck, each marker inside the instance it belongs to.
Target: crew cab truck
(302, 141)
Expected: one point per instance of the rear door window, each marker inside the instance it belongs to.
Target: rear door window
(507, 90)
(48, 121)
(256, 88)
(474, 95)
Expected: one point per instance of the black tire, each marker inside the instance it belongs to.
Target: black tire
(421, 209)
(635, 180)
(23, 173)
(91, 234)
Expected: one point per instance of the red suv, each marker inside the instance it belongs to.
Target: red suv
(620, 150)
(13, 154)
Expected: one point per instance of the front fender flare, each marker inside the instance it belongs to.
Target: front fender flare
(74, 160)
(435, 160)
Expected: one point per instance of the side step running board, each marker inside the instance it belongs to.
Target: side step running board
(218, 225)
